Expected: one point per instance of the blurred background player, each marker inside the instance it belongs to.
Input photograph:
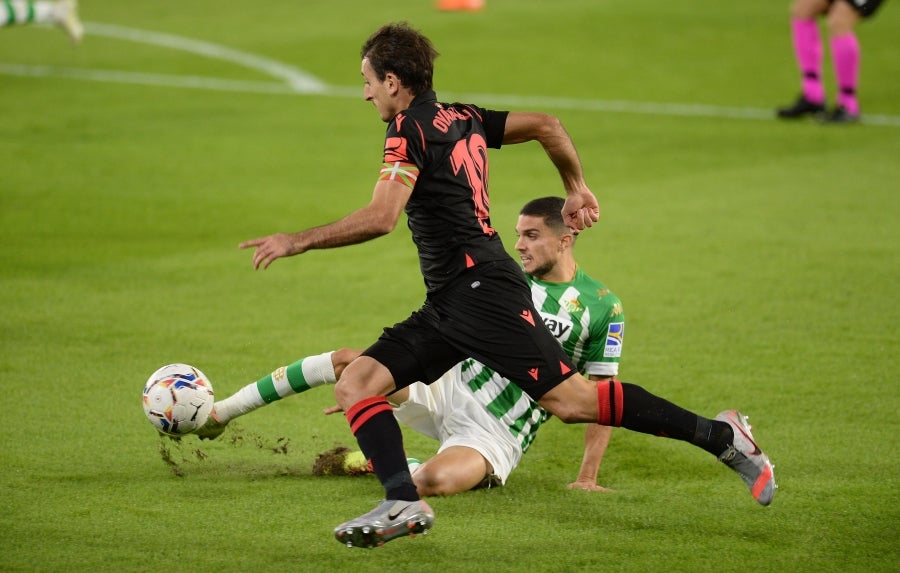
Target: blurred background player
(841, 16)
(482, 420)
(460, 5)
(62, 13)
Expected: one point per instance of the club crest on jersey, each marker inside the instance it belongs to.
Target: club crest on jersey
(560, 327)
(615, 335)
(572, 305)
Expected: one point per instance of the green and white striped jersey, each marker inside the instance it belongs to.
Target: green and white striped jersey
(586, 318)
(588, 321)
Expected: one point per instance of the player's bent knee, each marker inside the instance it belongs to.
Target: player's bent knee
(347, 392)
(440, 479)
(806, 9)
(363, 378)
(432, 482)
(840, 23)
(343, 395)
(341, 357)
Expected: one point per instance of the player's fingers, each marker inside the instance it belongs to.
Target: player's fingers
(590, 216)
(266, 260)
(258, 258)
(586, 217)
(269, 257)
(581, 219)
(252, 243)
(573, 221)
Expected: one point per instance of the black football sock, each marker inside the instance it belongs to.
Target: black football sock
(378, 434)
(634, 408)
(713, 436)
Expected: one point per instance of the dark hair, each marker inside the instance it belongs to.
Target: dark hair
(550, 210)
(405, 52)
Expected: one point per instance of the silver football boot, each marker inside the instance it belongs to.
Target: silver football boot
(390, 520)
(745, 458)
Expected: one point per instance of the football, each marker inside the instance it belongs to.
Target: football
(177, 399)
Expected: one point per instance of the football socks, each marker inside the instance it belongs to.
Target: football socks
(376, 429)
(636, 409)
(286, 381)
(808, 50)
(845, 55)
(25, 12)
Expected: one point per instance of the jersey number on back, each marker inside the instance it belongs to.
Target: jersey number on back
(470, 155)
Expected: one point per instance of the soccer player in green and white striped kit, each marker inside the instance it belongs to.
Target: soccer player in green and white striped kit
(62, 13)
(483, 421)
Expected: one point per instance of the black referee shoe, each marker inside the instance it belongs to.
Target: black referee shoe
(800, 108)
(839, 115)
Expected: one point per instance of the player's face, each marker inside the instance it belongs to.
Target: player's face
(377, 92)
(538, 247)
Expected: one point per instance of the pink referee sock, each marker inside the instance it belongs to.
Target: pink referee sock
(845, 54)
(808, 50)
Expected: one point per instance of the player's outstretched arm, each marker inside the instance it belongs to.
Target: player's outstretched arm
(596, 438)
(581, 209)
(377, 218)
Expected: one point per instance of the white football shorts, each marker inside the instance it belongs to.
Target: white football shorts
(447, 411)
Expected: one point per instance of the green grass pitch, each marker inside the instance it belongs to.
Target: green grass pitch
(759, 263)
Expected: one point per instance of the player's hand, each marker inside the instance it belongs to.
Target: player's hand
(270, 248)
(588, 485)
(581, 210)
(332, 410)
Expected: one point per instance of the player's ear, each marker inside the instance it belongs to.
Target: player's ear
(392, 83)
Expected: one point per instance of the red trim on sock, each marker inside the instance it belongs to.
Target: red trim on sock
(360, 413)
(620, 402)
(353, 410)
(609, 403)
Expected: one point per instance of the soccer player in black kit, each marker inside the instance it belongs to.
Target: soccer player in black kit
(477, 302)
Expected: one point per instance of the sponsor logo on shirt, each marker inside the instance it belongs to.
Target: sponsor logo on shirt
(558, 326)
(614, 338)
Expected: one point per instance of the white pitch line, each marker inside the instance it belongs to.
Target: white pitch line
(141, 78)
(295, 81)
(294, 77)
(530, 102)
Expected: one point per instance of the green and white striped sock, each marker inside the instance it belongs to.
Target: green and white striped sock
(25, 12)
(286, 381)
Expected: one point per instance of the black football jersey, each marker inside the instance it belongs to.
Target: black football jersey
(440, 151)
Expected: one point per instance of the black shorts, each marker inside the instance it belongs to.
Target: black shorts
(865, 7)
(487, 314)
